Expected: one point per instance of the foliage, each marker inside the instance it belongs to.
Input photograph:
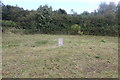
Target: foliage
(12, 12)
(62, 11)
(118, 13)
(43, 18)
(75, 29)
(8, 23)
(28, 22)
(80, 33)
(103, 21)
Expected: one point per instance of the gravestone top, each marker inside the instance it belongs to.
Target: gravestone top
(60, 41)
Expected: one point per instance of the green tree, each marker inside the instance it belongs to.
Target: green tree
(44, 18)
(62, 11)
(118, 12)
(28, 22)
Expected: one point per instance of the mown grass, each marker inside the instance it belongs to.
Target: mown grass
(39, 56)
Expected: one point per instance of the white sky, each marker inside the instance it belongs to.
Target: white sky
(78, 5)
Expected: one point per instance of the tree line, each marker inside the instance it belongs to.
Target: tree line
(103, 21)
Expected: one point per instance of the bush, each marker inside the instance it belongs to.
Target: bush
(75, 29)
(8, 24)
(80, 33)
(28, 31)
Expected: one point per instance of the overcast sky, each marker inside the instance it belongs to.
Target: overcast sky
(77, 5)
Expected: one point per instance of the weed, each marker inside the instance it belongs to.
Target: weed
(9, 45)
(39, 43)
(103, 41)
(97, 57)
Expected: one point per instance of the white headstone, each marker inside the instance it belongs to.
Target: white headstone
(60, 41)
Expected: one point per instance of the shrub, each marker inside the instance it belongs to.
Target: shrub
(75, 29)
(80, 33)
(8, 24)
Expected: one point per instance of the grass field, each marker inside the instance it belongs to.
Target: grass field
(38, 56)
